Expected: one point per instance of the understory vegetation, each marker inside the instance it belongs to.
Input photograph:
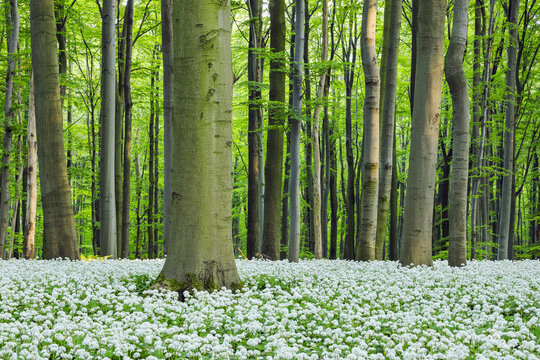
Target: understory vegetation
(311, 310)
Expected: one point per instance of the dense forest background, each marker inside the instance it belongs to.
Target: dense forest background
(341, 131)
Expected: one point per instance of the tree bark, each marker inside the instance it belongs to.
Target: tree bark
(107, 202)
(424, 134)
(367, 231)
(294, 181)
(274, 148)
(255, 37)
(350, 56)
(128, 104)
(151, 158)
(29, 242)
(59, 235)
(507, 187)
(457, 81)
(388, 118)
(200, 252)
(12, 23)
(317, 226)
(168, 111)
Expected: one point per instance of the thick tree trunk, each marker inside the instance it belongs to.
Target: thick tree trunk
(255, 37)
(317, 225)
(507, 187)
(29, 242)
(59, 235)
(128, 104)
(457, 81)
(12, 22)
(367, 231)
(424, 134)
(294, 181)
(107, 202)
(200, 252)
(388, 118)
(274, 148)
(168, 110)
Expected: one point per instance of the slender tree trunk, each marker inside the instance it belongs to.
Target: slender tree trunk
(424, 134)
(315, 139)
(151, 180)
(128, 104)
(168, 110)
(506, 202)
(107, 202)
(255, 37)
(350, 56)
(388, 118)
(29, 242)
(285, 202)
(200, 253)
(393, 243)
(12, 22)
(457, 81)
(308, 216)
(367, 231)
(274, 148)
(156, 178)
(59, 235)
(294, 181)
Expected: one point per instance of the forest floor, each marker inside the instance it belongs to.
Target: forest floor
(311, 310)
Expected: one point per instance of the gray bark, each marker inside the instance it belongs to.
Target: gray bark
(276, 118)
(59, 235)
(388, 118)
(457, 81)
(294, 181)
(367, 231)
(200, 252)
(417, 226)
(168, 110)
(107, 203)
(12, 21)
(508, 165)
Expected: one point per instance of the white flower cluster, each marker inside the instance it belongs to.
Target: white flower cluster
(311, 310)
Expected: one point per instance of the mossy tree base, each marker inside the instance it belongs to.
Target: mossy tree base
(211, 278)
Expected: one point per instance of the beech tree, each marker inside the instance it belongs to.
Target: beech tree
(273, 168)
(107, 203)
(59, 235)
(418, 216)
(294, 181)
(200, 248)
(508, 165)
(457, 81)
(12, 21)
(367, 231)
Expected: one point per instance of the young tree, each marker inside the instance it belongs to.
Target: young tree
(59, 235)
(107, 203)
(508, 184)
(200, 252)
(418, 216)
(273, 169)
(128, 104)
(457, 81)
(294, 181)
(367, 231)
